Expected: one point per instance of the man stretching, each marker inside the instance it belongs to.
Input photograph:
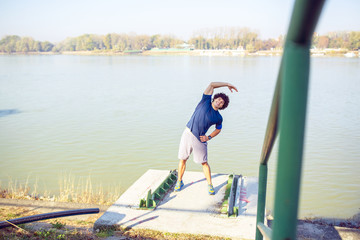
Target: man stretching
(194, 136)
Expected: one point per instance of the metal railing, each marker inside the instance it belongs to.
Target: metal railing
(287, 116)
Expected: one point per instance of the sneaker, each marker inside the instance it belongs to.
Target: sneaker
(179, 185)
(211, 189)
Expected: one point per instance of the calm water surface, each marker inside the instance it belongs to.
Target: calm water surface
(114, 117)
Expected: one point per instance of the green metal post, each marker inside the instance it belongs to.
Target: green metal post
(293, 101)
(269, 140)
(265, 231)
(272, 125)
(260, 216)
(292, 91)
(292, 125)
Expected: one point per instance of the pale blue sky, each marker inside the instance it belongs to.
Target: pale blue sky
(54, 20)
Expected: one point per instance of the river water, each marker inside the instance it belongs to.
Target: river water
(110, 118)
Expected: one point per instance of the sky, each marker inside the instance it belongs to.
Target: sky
(56, 20)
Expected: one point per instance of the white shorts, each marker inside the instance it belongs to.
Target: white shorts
(189, 143)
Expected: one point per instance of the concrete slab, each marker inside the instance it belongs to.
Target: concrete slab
(191, 210)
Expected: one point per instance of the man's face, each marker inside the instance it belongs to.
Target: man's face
(218, 103)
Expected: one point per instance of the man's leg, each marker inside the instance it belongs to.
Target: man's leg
(207, 172)
(182, 167)
(179, 184)
(185, 150)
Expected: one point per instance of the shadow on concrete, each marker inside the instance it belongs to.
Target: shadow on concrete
(206, 211)
(142, 221)
(203, 180)
(138, 217)
(217, 188)
(247, 214)
(117, 217)
(166, 200)
(158, 208)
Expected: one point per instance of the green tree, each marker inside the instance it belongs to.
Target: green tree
(24, 45)
(315, 39)
(249, 39)
(124, 42)
(143, 42)
(37, 46)
(47, 46)
(250, 47)
(107, 41)
(8, 43)
(258, 45)
(336, 42)
(323, 42)
(354, 40)
(269, 44)
(156, 40)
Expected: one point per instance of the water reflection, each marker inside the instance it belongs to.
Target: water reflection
(116, 117)
(6, 112)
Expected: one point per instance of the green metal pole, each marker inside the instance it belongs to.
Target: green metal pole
(260, 216)
(293, 101)
(292, 126)
(269, 140)
(272, 125)
(295, 69)
(265, 230)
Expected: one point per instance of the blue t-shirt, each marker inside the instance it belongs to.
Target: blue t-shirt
(204, 117)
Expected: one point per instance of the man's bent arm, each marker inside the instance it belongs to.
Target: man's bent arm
(213, 134)
(210, 89)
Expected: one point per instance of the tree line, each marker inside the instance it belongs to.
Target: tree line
(10, 44)
(207, 39)
(346, 40)
(233, 38)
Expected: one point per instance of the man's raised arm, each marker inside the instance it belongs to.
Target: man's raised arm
(210, 89)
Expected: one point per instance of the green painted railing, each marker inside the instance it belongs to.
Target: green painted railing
(152, 199)
(287, 114)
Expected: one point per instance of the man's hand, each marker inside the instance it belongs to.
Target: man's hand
(210, 89)
(232, 87)
(214, 134)
(204, 138)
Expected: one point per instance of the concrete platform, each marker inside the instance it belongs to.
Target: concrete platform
(191, 210)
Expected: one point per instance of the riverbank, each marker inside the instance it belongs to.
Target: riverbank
(81, 226)
(70, 189)
(180, 52)
(73, 227)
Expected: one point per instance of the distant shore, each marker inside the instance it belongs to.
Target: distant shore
(179, 52)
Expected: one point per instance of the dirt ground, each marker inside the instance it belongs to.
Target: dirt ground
(81, 226)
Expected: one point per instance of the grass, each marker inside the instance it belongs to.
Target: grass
(71, 189)
(50, 229)
(75, 229)
(76, 190)
(58, 225)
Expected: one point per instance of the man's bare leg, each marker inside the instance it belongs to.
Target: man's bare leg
(182, 167)
(207, 172)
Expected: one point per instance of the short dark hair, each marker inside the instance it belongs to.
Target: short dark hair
(224, 97)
